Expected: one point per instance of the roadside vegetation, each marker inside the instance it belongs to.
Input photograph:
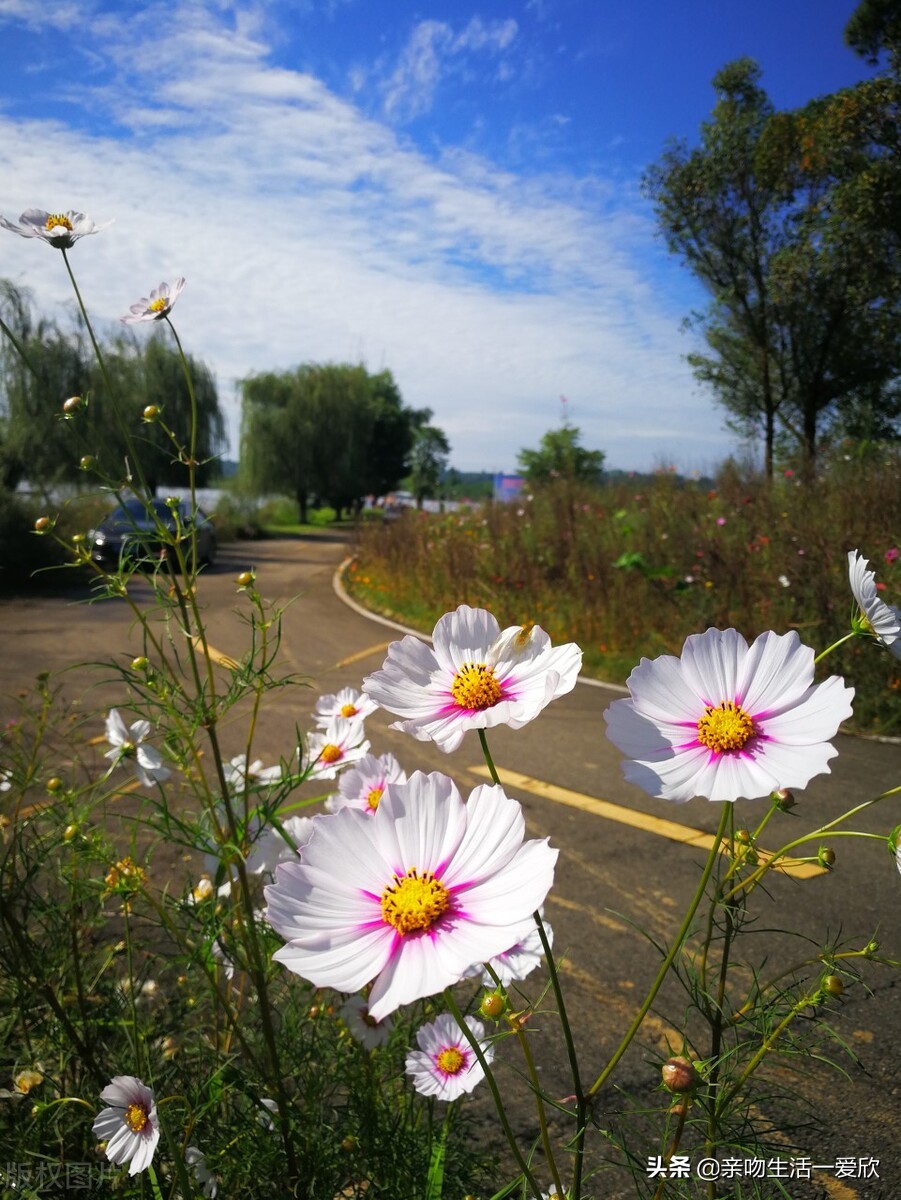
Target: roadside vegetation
(628, 571)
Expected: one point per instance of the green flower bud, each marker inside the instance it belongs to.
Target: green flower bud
(87, 462)
(680, 1074)
(826, 857)
(141, 663)
(54, 784)
(42, 525)
(71, 406)
(150, 413)
(245, 579)
(833, 985)
(493, 1005)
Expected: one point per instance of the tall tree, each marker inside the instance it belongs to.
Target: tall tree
(428, 458)
(802, 318)
(559, 456)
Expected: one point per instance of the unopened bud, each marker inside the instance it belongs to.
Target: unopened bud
(172, 502)
(69, 832)
(744, 835)
(71, 406)
(78, 539)
(826, 857)
(151, 412)
(493, 1005)
(141, 663)
(784, 799)
(833, 985)
(871, 948)
(87, 462)
(245, 579)
(54, 784)
(680, 1074)
(42, 524)
(349, 1144)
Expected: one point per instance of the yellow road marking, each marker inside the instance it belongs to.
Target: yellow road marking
(599, 918)
(361, 654)
(222, 660)
(652, 1025)
(638, 820)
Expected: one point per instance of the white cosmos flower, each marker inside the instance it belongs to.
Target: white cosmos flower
(129, 742)
(367, 1031)
(363, 785)
(474, 677)
(409, 898)
(445, 1065)
(155, 306)
(728, 720)
(330, 750)
(6, 780)
(517, 962)
(59, 229)
(883, 620)
(346, 703)
(129, 1126)
(238, 775)
(196, 1160)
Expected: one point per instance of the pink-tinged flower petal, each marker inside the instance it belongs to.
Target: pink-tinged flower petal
(409, 897)
(780, 734)
(124, 1144)
(433, 1073)
(883, 620)
(62, 229)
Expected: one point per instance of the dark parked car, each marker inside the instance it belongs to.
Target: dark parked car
(131, 533)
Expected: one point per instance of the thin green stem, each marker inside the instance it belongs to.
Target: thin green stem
(495, 1092)
(517, 1026)
(488, 759)
(835, 645)
(667, 963)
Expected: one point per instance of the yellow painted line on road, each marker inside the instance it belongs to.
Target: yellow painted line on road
(222, 660)
(378, 648)
(637, 820)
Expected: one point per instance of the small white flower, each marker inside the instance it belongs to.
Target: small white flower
(881, 619)
(339, 745)
(369, 1032)
(129, 1126)
(363, 785)
(5, 780)
(785, 581)
(445, 1065)
(196, 1160)
(155, 306)
(58, 229)
(129, 742)
(346, 703)
(238, 775)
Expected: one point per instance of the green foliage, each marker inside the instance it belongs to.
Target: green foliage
(560, 456)
(789, 220)
(428, 459)
(330, 431)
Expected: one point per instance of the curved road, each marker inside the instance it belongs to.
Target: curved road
(626, 860)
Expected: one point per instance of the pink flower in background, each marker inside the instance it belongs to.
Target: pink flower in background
(364, 785)
(892, 554)
(721, 520)
(155, 306)
(332, 749)
(727, 719)
(409, 897)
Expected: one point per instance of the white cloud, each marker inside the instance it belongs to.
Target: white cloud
(308, 231)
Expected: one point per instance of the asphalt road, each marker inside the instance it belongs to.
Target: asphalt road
(627, 862)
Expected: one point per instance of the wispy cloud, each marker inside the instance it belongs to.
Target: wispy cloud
(310, 231)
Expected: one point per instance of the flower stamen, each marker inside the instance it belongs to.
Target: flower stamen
(725, 727)
(57, 221)
(349, 710)
(373, 798)
(475, 687)
(158, 305)
(136, 1117)
(450, 1060)
(414, 902)
(330, 753)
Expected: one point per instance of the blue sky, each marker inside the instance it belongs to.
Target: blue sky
(450, 191)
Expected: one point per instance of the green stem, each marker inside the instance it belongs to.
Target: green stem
(488, 759)
(517, 1026)
(667, 963)
(495, 1091)
(835, 645)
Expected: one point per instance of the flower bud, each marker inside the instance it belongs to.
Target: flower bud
(71, 406)
(871, 948)
(78, 539)
(680, 1074)
(150, 413)
(744, 836)
(141, 663)
(42, 524)
(54, 784)
(493, 1005)
(245, 579)
(349, 1144)
(87, 462)
(69, 832)
(783, 799)
(172, 502)
(833, 985)
(826, 857)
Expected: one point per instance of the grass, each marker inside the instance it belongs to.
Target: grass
(628, 571)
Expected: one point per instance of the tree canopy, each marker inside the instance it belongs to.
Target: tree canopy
(559, 456)
(330, 431)
(790, 221)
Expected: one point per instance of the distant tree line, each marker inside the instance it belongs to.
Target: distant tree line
(792, 222)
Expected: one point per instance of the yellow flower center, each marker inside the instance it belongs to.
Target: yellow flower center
(372, 800)
(127, 749)
(414, 902)
(330, 753)
(136, 1117)
(726, 727)
(450, 1061)
(158, 305)
(475, 687)
(57, 221)
(348, 710)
